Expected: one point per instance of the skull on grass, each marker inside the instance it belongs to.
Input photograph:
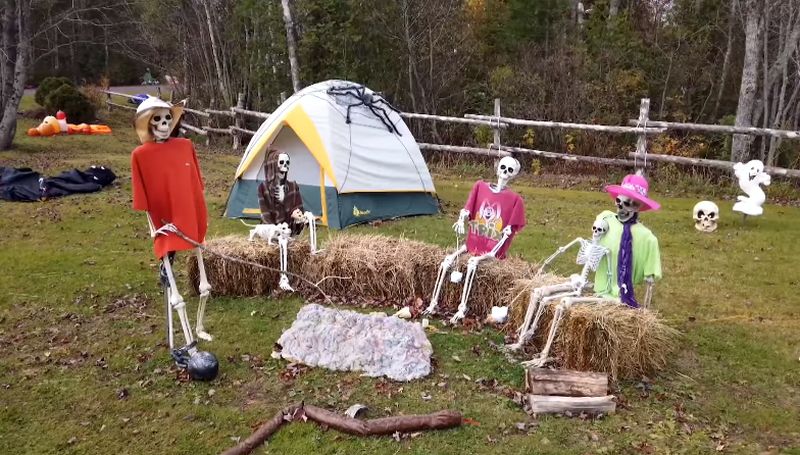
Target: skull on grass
(161, 123)
(706, 216)
(627, 208)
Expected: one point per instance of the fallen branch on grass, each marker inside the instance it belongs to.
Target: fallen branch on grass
(440, 420)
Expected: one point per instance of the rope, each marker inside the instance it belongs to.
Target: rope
(224, 256)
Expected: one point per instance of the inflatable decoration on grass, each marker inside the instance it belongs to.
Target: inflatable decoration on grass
(52, 126)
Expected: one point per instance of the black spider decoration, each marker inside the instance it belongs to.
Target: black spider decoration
(373, 101)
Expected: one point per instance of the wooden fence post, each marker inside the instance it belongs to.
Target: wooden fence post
(496, 128)
(238, 120)
(208, 131)
(641, 141)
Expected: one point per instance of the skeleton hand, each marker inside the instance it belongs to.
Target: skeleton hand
(165, 230)
(458, 226)
(507, 231)
(308, 217)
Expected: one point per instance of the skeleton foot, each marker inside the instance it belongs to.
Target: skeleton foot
(457, 317)
(284, 283)
(431, 308)
(537, 362)
(513, 347)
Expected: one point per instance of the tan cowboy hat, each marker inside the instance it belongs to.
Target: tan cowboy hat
(144, 112)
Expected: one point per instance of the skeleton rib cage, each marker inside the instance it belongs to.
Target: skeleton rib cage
(590, 254)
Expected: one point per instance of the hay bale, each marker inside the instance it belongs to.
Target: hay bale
(237, 279)
(609, 337)
(394, 269)
(355, 267)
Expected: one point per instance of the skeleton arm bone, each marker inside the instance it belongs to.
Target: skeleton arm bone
(558, 253)
(650, 283)
(507, 231)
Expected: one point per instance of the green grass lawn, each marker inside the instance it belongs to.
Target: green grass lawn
(84, 368)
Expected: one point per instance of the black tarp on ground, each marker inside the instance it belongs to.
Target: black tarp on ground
(27, 185)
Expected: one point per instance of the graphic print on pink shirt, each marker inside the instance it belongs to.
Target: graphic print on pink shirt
(490, 212)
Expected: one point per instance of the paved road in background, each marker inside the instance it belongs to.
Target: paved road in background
(127, 89)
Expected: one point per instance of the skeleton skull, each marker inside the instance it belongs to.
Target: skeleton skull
(283, 163)
(599, 228)
(161, 123)
(706, 216)
(626, 208)
(507, 168)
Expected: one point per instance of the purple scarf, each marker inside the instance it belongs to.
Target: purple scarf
(625, 264)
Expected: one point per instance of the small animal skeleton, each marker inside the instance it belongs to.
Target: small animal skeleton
(268, 232)
(589, 255)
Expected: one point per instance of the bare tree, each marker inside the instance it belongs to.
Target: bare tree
(747, 92)
(291, 44)
(15, 60)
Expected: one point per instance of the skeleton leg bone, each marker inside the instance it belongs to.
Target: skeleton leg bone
(540, 298)
(177, 303)
(472, 267)
(567, 302)
(443, 268)
(283, 246)
(312, 231)
(205, 291)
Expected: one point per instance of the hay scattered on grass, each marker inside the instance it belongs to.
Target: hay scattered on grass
(608, 337)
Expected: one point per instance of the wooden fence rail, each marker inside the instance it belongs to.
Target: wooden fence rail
(642, 127)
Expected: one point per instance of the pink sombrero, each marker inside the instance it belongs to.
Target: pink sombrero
(635, 187)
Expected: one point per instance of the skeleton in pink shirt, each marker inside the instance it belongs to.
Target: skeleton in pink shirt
(491, 217)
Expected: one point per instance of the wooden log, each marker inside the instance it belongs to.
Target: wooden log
(545, 404)
(242, 130)
(301, 412)
(569, 157)
(724, 129)
(443, 118)
(219, 112)
(567, 125)
(258, 114)
(460, 149)
(196, 112)
(212, 129)
(542, 381)
(193, 129)
(719, 164)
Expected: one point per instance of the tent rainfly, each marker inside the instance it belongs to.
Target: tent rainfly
(354, 162)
